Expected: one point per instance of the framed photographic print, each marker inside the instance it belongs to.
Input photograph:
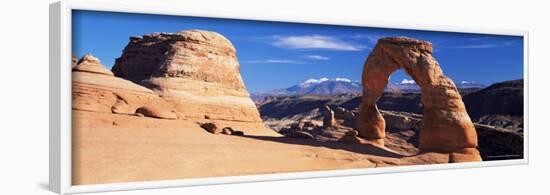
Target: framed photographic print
(149, 97)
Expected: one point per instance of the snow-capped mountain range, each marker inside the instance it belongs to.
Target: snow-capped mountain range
(322, 86)
(408, 85)
(326, 86)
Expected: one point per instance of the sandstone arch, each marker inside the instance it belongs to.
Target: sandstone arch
(446, 126)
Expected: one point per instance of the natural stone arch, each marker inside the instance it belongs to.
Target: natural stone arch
(446, 126)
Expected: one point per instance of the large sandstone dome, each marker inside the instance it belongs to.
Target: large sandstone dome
(197, 71)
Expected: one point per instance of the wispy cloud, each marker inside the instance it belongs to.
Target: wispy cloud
(479, 46)
(484, 45)
(480, 38)
(273, 61)
(317, 57)
(315, 42)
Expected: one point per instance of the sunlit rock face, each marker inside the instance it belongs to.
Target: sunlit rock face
(446, 126)
(196, 71)
(95, 89)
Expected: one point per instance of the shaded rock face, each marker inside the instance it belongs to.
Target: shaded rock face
(500, 105)
(504, 98)
(197, 71)
(211, 127)
(152, 111)
(95, 89)
(446, 126)
(499, 144)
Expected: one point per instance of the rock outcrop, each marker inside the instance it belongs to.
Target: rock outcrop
(156, 112)
(91, 64)
(299, 134)
(94, 88)
(328, 117)
(211, 127)
(196, 71)
(398, 121)
(446, 126)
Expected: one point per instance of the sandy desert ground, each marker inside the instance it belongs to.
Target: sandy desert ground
(115, 148)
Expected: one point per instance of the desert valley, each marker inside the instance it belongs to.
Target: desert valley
(174, 106)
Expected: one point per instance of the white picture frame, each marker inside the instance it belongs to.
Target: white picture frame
(60, 98)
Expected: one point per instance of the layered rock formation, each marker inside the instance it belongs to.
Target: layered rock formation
(500, 104)
(446, 126)
(196, 71)
(95, 89)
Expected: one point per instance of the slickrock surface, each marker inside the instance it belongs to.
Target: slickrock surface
(197, 71)
(112, 148)
(96, 89)
(446, 126)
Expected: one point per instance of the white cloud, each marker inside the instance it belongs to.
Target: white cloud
(371, 37)
(315, 42)
(464, 82)
(485, 45)
(480, 38)
(273, 61)
(478, 46)
(317, 57)
(407, 81)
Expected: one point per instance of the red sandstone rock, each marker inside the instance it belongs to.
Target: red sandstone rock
(351, 139)
(446, 126)
(328, 117)
(227, 131)
(90, 64)
(211, 127)
(152, 111)
(94, 88)
(197, 71)
(352, 133)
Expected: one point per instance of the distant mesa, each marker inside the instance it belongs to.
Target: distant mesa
(503, 98)
(500, 104)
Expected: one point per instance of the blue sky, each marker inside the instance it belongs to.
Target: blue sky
(277, 55)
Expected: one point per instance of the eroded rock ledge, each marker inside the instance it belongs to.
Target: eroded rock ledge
(95, 89)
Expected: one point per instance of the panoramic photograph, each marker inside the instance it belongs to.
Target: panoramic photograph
(159, 97)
